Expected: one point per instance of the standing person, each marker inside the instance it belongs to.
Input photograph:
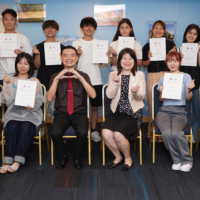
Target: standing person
(7, 64)
(69, 88)
(84, 48)
(126, 88)
(50, 28)
(19, 122)
(156, 69)
(191, 36)
(124, 29)
(172, 117)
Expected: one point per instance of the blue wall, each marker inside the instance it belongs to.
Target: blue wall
(68, 14)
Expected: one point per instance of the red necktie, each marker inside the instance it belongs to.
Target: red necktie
(70, 100)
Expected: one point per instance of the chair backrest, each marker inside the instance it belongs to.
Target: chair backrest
(105, 102)
(3, 106)
(156, 103)
(88, 105)
(43, 107)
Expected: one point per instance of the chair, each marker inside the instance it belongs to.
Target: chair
(197, 143)
(41, 130)
(156, 104)
(106, 108)
(71, 133)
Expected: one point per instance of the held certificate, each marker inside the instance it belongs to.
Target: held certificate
(172, 86)
(52, 53)
(125, 42)
(99, 50)
(189, 50)
(8, 43)
(157, 48)
(25, 95)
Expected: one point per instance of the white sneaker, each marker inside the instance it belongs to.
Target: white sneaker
(186, 167)
(95, 136)
(176, 166)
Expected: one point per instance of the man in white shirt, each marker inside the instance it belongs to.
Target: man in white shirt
(7, 64)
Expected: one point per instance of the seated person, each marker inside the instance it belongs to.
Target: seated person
(70, 87)
(19, 122)
(126, 88)
(172, 117)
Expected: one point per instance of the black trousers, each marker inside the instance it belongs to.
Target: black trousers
(62, 121)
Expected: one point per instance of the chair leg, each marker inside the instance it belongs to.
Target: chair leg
(101, 144)
(140, 140)
(135, 144)
(47, 137)
(197, 144)
(52, 152)
(153, 152)
(2, 147)
(40, 149)
(89, 149)
(103, 152)
(151, 135)
(191, 144)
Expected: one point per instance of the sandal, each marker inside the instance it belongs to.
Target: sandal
(4, 168)
(12, 169)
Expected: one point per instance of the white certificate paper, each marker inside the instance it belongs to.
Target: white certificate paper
(157, 48)
(125, 42)
(189, 50)
(52, 53)
(25, 95)
(172, 86)
(99, 50)
(8, 43)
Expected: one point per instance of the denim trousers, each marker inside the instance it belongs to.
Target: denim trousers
(19, 136)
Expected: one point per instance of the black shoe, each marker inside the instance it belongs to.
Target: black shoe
(63, 161)
(77, 164)
(113, 165)
(126, 167)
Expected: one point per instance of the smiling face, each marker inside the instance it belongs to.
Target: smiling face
(127, 62)
(23, 67)
(191, 36)
(125, 30)
(69, 58)
(158, 31)
(88, 30)
(9, 23)
(50, 32)
(173, 65)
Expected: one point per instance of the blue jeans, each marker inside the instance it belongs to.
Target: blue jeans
(195, 107)
(19, 136)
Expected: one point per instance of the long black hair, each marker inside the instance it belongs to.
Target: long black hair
(190, 27)
(29, 60)
(127, 21)
(132, 54)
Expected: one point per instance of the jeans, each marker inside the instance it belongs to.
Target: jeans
(195, 107)
(62, 121)
(19, 136)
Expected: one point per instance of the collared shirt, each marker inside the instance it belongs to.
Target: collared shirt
(79, 93)
(156, 66)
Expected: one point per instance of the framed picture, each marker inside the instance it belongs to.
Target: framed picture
(109, 15)
(171, 27)
(66, 39)
(31, 13)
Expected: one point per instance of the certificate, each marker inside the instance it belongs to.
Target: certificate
(8, 43)
(189, 50)
(157, 48)
(172, 86)
(125, 42)
(25, 95)
(52, 53)
(99, 50)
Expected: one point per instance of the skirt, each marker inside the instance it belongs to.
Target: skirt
(122, 123)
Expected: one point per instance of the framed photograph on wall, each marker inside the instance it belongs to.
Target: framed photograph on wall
(171, 27)
(30, 13)
(109, 15)
(66, 39)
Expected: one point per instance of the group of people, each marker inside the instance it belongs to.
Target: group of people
(67, 87)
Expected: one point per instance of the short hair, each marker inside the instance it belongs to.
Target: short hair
(127, 21)
(161, 23)
(132, 54)
(88, 21)
(9, 11)
(50, 23)
(190, 27)
(69, 47)
(173, 55)
(29, 60)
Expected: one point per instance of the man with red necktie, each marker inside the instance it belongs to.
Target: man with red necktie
(70, 87)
